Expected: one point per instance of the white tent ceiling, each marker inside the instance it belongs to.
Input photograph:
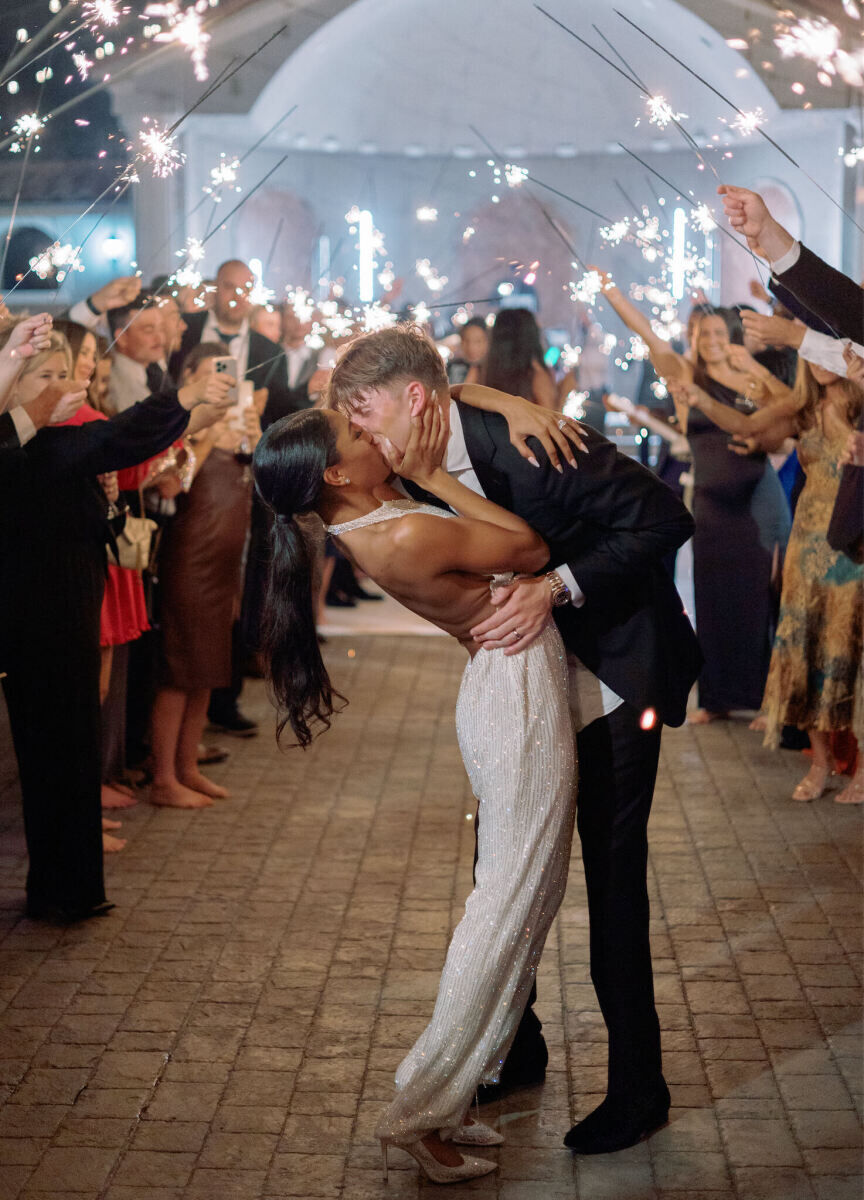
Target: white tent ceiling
(413, 76)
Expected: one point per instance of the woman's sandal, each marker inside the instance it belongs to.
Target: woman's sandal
(814, 784)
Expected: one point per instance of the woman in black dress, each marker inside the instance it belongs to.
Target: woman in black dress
(741, 515)
(53, 532)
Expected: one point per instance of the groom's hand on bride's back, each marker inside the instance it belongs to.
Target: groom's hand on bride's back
(524, 611)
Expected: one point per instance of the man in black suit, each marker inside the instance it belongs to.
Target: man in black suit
(261, 361)
(829, 294)
(633, 659)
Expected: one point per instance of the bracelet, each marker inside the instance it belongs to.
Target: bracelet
(560, 591)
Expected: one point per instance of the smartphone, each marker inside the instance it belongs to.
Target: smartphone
(227, 366)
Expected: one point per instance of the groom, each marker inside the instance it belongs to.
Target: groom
(633, 659)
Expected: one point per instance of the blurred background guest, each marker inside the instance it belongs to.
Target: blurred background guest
(467, 365)
(514, 362)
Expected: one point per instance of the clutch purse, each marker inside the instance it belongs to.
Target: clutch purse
(134, 544)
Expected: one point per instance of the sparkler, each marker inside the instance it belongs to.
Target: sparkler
(747, 123)
(185, 27)
(102, 12)
(376, 317)
(703, 219)
(223, 178)
(429, 275)
(615, 233)
(660, 112)
(588, 288)
(160, 149)
(57, 261)
(817, 40)
(735, 107)
(425, 213)
(515, 175)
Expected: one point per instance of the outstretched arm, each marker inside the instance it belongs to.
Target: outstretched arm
(556, 433)
(777, 419)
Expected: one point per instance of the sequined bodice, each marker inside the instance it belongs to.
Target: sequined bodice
(389, 510)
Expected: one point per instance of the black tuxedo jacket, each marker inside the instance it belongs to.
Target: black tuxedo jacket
(8, 433)
(611, 521)
(832, 296)
(266, 367)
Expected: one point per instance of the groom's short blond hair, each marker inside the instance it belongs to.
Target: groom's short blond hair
(371, 361)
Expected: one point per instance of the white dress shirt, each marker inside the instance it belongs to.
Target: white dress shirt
(238, 343)
(590, 697)
(826, 351)
(127, 384)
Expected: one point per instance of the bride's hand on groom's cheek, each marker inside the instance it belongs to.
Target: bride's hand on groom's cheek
(523, 613)
(427, 443)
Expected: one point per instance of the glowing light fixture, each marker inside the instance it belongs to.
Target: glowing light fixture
(366, 256)
(679, 233)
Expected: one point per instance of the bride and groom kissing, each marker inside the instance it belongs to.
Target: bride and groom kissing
(539, 547)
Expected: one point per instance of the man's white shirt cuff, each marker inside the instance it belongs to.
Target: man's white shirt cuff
(24, 427)
(577, 596)
(787, 260)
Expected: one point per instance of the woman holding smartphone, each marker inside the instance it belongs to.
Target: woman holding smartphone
(200, 561)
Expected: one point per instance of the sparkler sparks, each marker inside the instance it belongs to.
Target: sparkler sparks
(101, 12)
(818, 40)
(57, 261)
(376, 317)
(425, 213)
(515, 175)
(702, 218)
(185, 26)
(28, 125)
(223, 178)
(82, 64)
(660, 112)
(429, 275)
(615, 233)
(588, 288)
(746, 123)
(160, 150)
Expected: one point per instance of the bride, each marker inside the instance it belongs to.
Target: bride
(512, 720)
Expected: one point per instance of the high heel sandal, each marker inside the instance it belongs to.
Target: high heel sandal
(438, 1172)
(477, 1134)
(814, 783)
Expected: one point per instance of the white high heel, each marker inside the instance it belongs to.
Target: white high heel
(477, 1134)
(438, 1172)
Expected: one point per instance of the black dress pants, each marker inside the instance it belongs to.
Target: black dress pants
(52, 693)
(617, 771)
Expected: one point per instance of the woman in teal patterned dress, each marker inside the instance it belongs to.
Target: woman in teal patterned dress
(815, 676)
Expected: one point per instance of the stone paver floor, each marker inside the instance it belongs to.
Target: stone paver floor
(231, 1030)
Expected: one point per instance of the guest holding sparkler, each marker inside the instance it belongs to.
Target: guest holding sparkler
(742, 519)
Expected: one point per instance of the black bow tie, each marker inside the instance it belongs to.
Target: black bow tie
(155, 377)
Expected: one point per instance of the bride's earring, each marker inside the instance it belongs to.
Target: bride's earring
(347, 480)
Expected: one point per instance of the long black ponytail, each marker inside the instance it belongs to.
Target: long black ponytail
(288, 465)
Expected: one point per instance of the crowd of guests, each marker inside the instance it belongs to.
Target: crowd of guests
(134, 552)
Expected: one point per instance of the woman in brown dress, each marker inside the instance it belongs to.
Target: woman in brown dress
(200, 574)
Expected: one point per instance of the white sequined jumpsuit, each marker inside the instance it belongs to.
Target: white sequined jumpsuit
(513, 725)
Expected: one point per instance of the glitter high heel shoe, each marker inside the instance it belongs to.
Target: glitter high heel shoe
(477, 1134)
(438, 1172)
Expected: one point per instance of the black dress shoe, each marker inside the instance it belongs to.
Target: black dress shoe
(360, 593)
(59, 914)
(234, 723)
(615, 1126)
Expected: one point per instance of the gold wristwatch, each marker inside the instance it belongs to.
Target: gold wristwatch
(559, 589)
